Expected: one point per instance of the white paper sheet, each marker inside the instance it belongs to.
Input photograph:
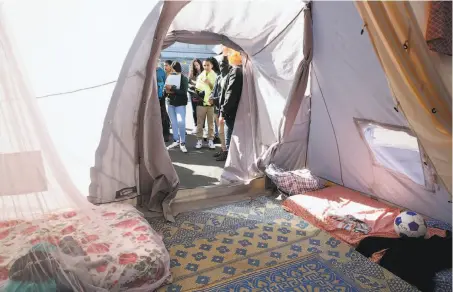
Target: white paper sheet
(173, 80)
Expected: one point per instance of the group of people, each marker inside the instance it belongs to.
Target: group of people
(214, 89)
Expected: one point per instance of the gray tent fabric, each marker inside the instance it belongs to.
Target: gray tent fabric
(152, 150)
(245, 142)
(157, 180)
(291, 148)
(112, 169)
(199, 37)
(336, 150)
(315, 129)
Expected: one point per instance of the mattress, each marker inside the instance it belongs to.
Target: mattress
(315, 207)
(140, 260)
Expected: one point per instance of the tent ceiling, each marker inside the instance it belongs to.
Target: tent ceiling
(250, 24)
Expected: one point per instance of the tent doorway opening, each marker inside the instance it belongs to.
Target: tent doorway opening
(196, 167)
(202, 182)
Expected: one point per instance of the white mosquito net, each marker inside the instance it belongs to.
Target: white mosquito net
(51, 237)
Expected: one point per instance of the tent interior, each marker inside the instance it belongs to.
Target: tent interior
(350, 91)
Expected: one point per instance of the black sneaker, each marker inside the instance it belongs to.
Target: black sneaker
(217, 154)
(216, 140)
(223, 156)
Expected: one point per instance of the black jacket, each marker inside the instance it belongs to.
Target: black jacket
(412, 259)
(178, 97)
(218, 90)
(231, 93)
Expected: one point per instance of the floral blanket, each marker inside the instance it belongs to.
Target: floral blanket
(140, 259)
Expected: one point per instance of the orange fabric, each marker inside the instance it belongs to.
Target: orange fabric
(234, 57)
(377, 256)
(315, 207)
(413, 78)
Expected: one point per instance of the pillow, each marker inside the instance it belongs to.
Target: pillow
(293, 182)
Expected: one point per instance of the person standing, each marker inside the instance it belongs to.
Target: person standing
(161, 76)
(204, 85)
(167, 67)
(215, 100)
(231, 95)
(177, 97)
(196, 67)
(216, 69)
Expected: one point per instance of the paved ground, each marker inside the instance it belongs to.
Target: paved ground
(197, 167)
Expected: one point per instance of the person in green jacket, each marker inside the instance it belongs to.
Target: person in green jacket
(205, 83)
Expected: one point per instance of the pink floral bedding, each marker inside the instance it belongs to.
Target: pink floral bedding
(140, 259)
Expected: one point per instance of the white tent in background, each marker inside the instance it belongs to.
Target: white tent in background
(370, 111)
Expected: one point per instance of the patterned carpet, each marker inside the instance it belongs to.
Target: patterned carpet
(310, 272)
(232, 245)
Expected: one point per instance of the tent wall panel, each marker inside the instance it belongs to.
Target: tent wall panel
(323, 159)
(115, 159)
(292, 153)
(415, 80)
(245, 141)
(353, 85)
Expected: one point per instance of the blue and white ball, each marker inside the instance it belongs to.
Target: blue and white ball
(410, 224)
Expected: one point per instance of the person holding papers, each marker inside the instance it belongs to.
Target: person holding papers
(176, 87)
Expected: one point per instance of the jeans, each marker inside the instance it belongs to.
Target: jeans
(178, 120)
(228, 128)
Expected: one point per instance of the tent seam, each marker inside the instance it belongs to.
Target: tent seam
(333, 128)
(286, 27)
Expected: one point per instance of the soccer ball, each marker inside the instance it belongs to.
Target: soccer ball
(410, 224)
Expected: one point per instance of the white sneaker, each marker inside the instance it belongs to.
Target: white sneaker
(199, 144)
(211, 144)
(173, 145)
(183, 148)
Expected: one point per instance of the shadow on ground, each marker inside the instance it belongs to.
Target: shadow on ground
(198, 167)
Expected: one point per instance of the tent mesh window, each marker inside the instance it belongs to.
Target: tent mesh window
(397, 150)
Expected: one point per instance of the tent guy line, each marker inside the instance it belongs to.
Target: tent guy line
(82, 89)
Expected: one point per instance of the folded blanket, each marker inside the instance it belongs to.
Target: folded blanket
(293, 182)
